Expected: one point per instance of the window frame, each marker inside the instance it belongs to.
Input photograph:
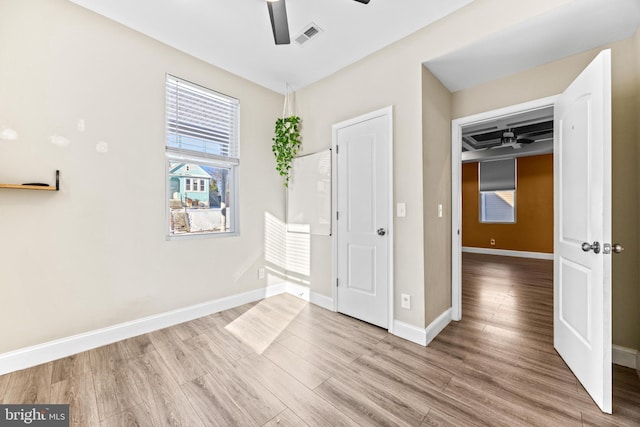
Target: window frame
(232, 164)
(502, 186)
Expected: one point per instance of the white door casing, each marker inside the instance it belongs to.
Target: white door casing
(456, 187)
(363, 227)
(582, 192)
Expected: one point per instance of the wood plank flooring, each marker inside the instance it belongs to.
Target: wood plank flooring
(283, 362)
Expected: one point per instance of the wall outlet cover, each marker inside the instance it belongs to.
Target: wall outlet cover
(406, 301)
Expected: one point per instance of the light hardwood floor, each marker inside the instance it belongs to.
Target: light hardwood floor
(283, 362)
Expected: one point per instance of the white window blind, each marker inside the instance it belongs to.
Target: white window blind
(201, 122)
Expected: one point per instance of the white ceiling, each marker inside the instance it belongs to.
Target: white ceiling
(236, 34)
(575, 27)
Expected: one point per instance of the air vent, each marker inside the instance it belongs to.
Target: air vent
(310, 31)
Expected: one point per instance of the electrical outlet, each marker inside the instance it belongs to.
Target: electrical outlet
(439, 211)
(493, 242)
(261, 273)
(406, 301)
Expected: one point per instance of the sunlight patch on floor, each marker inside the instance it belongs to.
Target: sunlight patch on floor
(263, 323)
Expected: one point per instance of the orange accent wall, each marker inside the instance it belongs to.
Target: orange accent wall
(533, 230)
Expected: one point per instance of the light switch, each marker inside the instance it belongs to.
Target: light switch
(401, 210)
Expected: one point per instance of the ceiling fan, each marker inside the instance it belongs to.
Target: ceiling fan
(279, 22)
(509, 139)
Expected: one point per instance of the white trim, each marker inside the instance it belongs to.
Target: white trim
(299, 291)
(507, 252)
(437, 326)
(277, 289)
(306, 294)
(456, 188)
(388, 112)
(624, 356)
(46, 352)
(410, 332)
(321, 301)
(456, 219)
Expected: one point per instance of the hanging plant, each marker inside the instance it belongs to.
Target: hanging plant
(286, 143)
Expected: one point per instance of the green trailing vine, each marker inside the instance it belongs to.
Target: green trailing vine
(286, 143)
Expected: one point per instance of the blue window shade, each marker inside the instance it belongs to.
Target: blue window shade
(201, 122)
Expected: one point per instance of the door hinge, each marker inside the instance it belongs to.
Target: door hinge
(337, 149)
(337, 282)
(337, 215)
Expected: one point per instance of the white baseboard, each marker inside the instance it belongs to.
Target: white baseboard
(506, 252)
(57, 349)
(410, 332)
(624, 356)
(422, 336)
(438, 325)
(276, 289)
(306, 294)
(322, 301)
(299, 291)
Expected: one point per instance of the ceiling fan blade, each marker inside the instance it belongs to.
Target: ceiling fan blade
(363, 1)
(279, 23)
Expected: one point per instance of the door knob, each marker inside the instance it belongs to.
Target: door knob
(595, 247)
(381, 232)
(616, 248)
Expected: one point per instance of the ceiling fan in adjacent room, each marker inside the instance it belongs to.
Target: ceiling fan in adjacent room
(279, 22)
(509, 139)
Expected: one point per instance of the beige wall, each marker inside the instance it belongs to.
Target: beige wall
(95, 253)
(99, 265)
(552, 79)
(436, 175)
(393, 76)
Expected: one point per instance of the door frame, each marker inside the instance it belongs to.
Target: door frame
(456, 187)
(383, 112)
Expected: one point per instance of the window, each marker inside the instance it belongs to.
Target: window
(194, 185)
(497, 182)
(498, 206)
(203, 158)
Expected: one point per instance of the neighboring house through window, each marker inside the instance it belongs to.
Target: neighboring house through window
(202, 151)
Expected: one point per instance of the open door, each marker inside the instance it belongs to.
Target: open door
(582, 260)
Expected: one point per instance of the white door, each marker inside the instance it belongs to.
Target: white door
(582, 275)
(363, 195)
